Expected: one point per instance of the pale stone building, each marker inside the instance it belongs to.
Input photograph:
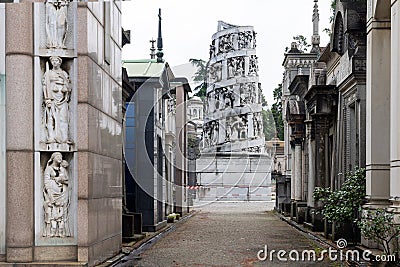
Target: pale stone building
(325, 110)
(62, 151)
(382, 94)
(195, 114)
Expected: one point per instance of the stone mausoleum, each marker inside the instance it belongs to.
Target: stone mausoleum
(233, 163)
(61, 158)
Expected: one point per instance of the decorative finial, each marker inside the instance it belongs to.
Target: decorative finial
(160, 52)
(152, 49)
(315, 38)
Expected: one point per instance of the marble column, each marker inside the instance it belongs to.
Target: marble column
(2, 135)
(395, 108)
(378, 112)
(298, 171)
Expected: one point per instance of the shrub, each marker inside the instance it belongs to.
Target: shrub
(343, 205)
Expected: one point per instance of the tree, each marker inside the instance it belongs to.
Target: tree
(200, 76)
(302, 44)
(277, 113)
(268, 124)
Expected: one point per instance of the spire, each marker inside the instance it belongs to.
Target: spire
(152, 49)
(315, 38)
(160, 52)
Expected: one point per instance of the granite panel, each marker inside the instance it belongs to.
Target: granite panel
(19, 254)
(83, 223)
(2, 163)
(104, 176)
(83, 28)
(91, 35)
(83, 126)
(19, 199)
(85, 73)
(19, 35)
(56, 253)
(19, 90)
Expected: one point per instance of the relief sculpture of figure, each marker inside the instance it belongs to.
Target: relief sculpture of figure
(56, 23)
(56, 194)
(56, 91)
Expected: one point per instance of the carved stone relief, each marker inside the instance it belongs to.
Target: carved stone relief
(258, 125)
(56, 23)
(236, 66)
(245, 40)
(212, 49)
(253, 66)
(56, 98)
(56, 197)
(214, 73)
(247, 92)
(225, 44)
(254, 149)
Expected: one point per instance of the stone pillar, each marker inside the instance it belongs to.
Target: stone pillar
(293, 174)
(2, 135)
(311, 173)
(395, 108)
(298, 171)
(19, 132)
(181, 201)
(378, 112)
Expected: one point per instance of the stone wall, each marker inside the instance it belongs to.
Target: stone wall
(2, 135)
(64, 132)
(100, 131)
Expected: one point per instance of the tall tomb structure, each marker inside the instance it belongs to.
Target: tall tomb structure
(233, 165)
(233, 121)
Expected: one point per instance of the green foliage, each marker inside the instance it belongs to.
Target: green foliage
(302, 44)
(378, 225)
(268, 124)
(342, 205)
(277, 112)
(193, 147)
(333, 8)
(200, 76)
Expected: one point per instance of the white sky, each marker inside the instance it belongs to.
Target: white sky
(187, 27)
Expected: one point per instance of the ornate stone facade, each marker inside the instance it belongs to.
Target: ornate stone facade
(233, 121)
(233, 164)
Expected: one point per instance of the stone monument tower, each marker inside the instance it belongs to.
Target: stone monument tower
(233, 121)
(233, 164)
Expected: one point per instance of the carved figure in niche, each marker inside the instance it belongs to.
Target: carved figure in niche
(253, 66)
(231, 67)
(56, 194)
(246, 93)
(228, 130)
(254, 39)
(212, 49)
(229, 99)
(225, 44)
(245, 40)
(56, 91)
(236, 66)
(56, 23)
(260, 94)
